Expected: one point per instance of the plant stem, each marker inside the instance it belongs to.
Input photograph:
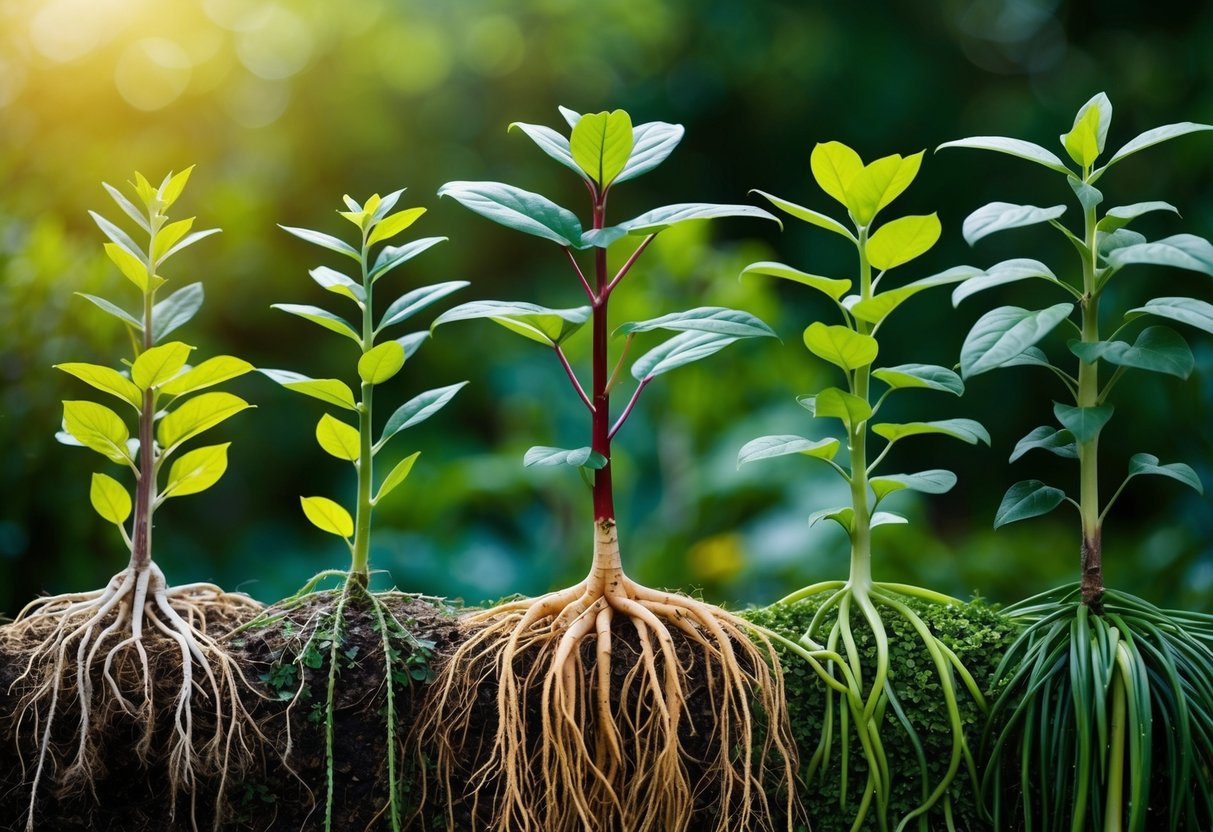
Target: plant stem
(861, 528)
(1088, 452)
(600, 439)
(145, 489)
(360, 551)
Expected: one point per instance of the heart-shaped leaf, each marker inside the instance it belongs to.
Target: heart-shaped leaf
(1084, 423)
(1148, 464)
(601, 144)
(1157, 349)
(839, 404)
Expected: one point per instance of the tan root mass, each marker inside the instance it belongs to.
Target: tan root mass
(610, 751)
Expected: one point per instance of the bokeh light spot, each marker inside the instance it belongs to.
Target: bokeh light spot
(152, 73)
(256, 103)
(274, 43)
(495, 46)
(413, 59)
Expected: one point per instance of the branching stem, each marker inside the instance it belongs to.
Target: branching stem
(564, 362)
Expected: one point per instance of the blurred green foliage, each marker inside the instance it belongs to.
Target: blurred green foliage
(286, 105)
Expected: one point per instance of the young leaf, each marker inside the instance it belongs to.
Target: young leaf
(324, 241)
(935, 481)
(1029, 498)
(1003, 333)
(966, 430)
(552, 143)
(109, 499)
(131, 266)
(176, 310)
(1084, 423)
(397, 475)
(196, 415)
(410, 303)
(840, 345)
(1148, 464)
(210, 372)
(156, 365)
(835, 167)
(809, 216)
(766, 447)
(188, 241)
(1083, 141)
(518, 209)
(879, 183)
(1059, 442)
(118, 236)
(1001, 216)
(1122, 215)
(173, 186)
(1157, 349)
(1183, 251)
(328, 516)
(196, 471)
(169, 236)
(839, 404)
(338, 283)
(833, 288)
(390, 226)
(1189, 311)
(1120, 238)
(118, 312)
(330, 390)
(106, 379)
(601, 144)
(876, 309)
(326, 319)
(127, 208)
(843, 516)
(1154, 136)
(392, 256)
(928, 376)
(901, 240)
(380, 363)
(1089, 196)
(653, 141)
(1013, 147)
(579, 457)
(683, 348)
(98, 428)
(417, 409)
(538, 323)
(1008, 271)
(716, 319)
(338, 439)
(660, 219)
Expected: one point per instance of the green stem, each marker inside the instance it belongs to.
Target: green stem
(145, 489)
(861, 528)
(361, 548)
(1088, 452)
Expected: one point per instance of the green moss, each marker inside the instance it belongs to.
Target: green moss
(975, 631)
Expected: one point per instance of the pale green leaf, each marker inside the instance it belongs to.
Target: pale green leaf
(324, 241)
(410, 303)
(397, 475)
(1156, 135)
(390, 226)
(579, 457)
(1003, 333)
(717, 319)
(328, 516)
(662, 218)
(1001, 216)
(934, 481)
(927, 376)
(1189, 311)
(1013, 147)
(1084, 423)
(840, 345)
(106, 379)
(326, 319)
(875, 309)
(683, 348)
(338, 283)
(1008, 271)
(518, 209)
(839, 404)
(807, 215)
(176, 310)
(330, 390)
(196, 471)
(127, 207)
(1122, 215)
(188, 241)
(392, 256)
(552, 143)
(118, 312)
(538, 323)
(98, 428)
(901, 240)
(1148, 464)
(210, 372)
(1046, 438)
(338, 439)
(109, 499)
(156, 365)
(417, 409)
(833, 288)
(118, 236)
(965, 430)
(1183, 251)
(886, 518)
(766, 447)
(601, 144)
(843, 516)
(380, 363)
(653, 142)
(196, 415)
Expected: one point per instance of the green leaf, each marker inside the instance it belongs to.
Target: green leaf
(1148, 464)
(1154, 136)
(901, 240)
(328, 516)
(766, 447)
(835, 167)
(683, 348)
(601, 144)
(326, 319)
(156, 365)
(390, 226)
(1157, 349)
(1122, 215)
(210, 372)
(579, 457)
(117, 311)
(966, 430)
(718, 319)
(109, 499)
(843, 516)
(106, 379)
(330, 390)
(928, 376)
(145, 190)
(324, 241)
(839, 404)
(1031, 357)
(338, 283)
(176, 310)
(550, 142)
(131, 266)
(98, 428)
(1013, 147)
(397, 475)
(392, 256)
(196, 471)
(118, 236)
(538, 323)
(412, 342)
(1008, 271)
(188, 241)
(173, 186)
(840, 345)
(653, 142)
(1089, 196)
(1120, 238)
(833, 288)
(417, 409)
(934, 481)
(886, 518)
(807, 215)
(1085, 140)
(1183, 251)
(518, 209)
(196, 415)
(1003, 333)
(602, 237)
(1001, 216)
(380, 363)
(659, 219)
(1084, 423)
(1046, 438)
(338, 439)
(1029, 498)
(410, 303)
(169, 235)
(127, 207)
(876, 309)
(879, 183)
(1189, 311)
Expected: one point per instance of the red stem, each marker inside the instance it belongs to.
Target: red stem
(600, 441)
(564, 362)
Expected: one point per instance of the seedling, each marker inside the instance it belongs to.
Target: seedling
(106, 629)
(378, 362)
(1100, 682)
(865, 190)
(590, 753)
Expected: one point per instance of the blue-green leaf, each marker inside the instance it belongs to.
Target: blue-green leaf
(551, 143)
(1001, 216)
(660, 219)
(578, 457)
(326, 319)
(766, 447)
(839, 404)
(1084, 423)
(717, 319)
(1008, 271)
(1148, 464)
(1003, 333)
(1046, 438)
(417, 409)
(812, 217)
(1012, 147)
(1189, 311)
(1029, 498)
(338, 283)
(538, 323)
(176, 310)
(965, 430)
(117, 311)
(1183, 251)
(118, 236)
(934, 481)
(843, 516)
(683, 348)
(1122, 215)
(392, 256)
(926, 376)
(1154, 136)
(1157, 349)
(654, 141)
(410, 303)
(832, 287)
(324, 241)
(515, 208)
